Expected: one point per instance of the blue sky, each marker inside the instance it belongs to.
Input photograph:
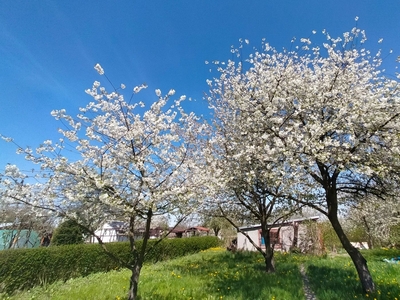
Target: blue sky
(48, 48)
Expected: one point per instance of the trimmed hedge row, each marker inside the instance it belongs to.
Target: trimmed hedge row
(25, 268)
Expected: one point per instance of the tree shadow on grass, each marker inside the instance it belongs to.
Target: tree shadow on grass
(377, 255)
(332, 283)
(243, 276)
(254, 283)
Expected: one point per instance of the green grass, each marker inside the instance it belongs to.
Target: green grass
(222, 276)
(335, 277)
(213, 274)
(218, 274)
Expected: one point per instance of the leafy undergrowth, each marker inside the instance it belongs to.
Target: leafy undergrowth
(336, 278)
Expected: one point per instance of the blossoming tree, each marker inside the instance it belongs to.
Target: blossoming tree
(116, 159)
(324, 115)
(246, 189)
(377, 218)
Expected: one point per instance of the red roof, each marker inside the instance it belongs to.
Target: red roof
(199, 228)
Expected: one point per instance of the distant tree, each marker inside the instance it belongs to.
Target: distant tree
(394, 237)
(245, 188)
(330, 239)
(160, 222)
(357, 233)
(69, 232)
(216, 224)
(376, 219)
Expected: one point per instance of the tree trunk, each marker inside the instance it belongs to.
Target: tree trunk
(369, 235)
(216, 230)
(138, 254)
(269, 252)
(134, 282)
(269, 260)
(330, 186)
(358, 260)
(295, 235)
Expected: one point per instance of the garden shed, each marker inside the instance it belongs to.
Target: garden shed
(17, 238)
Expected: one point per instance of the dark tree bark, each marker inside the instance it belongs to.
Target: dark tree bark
(216, 230)
(138, 256)
(269, 251)
(360, 263)
(358, 260)
(134, 282)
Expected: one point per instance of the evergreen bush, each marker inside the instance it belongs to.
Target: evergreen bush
(68, 233)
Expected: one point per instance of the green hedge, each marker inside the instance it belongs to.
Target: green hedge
(25, 268)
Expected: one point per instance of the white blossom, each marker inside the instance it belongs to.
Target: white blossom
(137, 89)
(7, 139)
(99, 69)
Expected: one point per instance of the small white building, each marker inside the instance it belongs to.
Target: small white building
(113, 231)
(284, 236)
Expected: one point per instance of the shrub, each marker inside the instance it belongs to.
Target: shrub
(25, 268)
(68, 233)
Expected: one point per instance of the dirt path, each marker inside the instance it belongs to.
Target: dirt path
(306, 285)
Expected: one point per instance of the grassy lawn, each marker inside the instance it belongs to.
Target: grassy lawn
(218, 274)
(335, 277)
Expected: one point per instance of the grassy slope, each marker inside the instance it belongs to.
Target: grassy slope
(213, 274)
(217, 274)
